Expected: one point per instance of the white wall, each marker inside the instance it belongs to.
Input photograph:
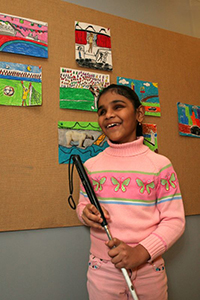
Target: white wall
(51, 264)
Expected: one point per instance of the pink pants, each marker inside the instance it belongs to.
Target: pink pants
(107, 282)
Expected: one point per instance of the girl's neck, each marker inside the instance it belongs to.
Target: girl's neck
(127, 149)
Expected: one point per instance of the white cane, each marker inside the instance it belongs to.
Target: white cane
(124, 271)
(93, 199)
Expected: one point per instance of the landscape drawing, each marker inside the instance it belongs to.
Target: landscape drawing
(150, 136)
(23, 36)
(93, 46)
(83, 138)
(80, 89)
(147, 93)
(20, 85)
(189, 119)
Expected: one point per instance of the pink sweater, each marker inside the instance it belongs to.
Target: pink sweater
(140, 190)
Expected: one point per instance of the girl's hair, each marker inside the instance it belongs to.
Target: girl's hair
(128, 93)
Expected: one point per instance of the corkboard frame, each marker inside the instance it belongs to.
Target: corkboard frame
(33, 186)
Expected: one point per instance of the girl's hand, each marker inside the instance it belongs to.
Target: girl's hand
(92, 217)
(124, 256)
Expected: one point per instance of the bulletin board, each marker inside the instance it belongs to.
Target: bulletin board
(33, 185)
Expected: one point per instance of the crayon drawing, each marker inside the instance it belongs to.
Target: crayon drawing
(189, 119)
(150, 136)
(20, 85)
(93, 46)
(147, 93)
(82, 138)
(79, 89)
(87, 140)
(23, 36)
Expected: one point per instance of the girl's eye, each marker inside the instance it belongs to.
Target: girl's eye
(118, 106)
(101, 112)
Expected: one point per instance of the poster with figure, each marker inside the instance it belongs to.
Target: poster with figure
(80, 89)
(23, 36)
(93, 46)
(83, 138)
(20, 85)
(189, 119)
(147, 93)
(150, 136)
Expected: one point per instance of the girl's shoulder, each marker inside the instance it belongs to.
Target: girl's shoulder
(93, 160)
(160, 161)
(159, 157)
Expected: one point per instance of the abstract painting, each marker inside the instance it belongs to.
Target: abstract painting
(189, 119)
(23, 36)
(147, 93)
(83, 138)
(20, 85)
(93, 46)
(80, 89)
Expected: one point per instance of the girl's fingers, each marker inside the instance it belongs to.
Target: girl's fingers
(92, 217)
(106, 213)
(113, 243)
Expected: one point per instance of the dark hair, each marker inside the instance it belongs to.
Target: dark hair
(128, 93)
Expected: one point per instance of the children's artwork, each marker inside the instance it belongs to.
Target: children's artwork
(150, 136)
(189, 119)
(23, 36)
(80, 89)
(147, 93)
(93, 46)
(83, 138)
(87, 140)
(20, 85)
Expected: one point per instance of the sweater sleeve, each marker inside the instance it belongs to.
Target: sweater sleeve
(83, 197)
(83, 201)
(171, 210)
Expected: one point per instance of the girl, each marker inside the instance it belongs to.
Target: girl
(140, 196)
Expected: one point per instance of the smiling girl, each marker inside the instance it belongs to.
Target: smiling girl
(140, 196)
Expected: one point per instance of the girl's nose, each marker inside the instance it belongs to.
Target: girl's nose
(109, 113)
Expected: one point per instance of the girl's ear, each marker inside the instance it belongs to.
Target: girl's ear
(140, 113)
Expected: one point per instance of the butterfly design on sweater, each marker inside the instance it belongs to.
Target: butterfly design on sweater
(120, 184)
(98, 183)
(145, 186)
(169, 182)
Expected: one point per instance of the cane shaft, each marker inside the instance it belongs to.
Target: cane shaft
(124, 271)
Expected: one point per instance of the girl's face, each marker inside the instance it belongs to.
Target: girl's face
(118, 118)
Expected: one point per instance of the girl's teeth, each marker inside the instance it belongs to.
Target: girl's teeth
(111, 125)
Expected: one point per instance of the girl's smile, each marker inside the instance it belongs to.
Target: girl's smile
(117, 117)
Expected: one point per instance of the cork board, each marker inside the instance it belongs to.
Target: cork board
(33, 186)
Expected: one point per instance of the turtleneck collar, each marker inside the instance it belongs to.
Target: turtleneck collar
(127, 149)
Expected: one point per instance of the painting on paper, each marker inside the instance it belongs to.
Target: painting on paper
(83, 138)
(20, 85)
(189, 119)
(23, 36)
(150, 136)
(93, 46)
(147, 93)
(80, 89)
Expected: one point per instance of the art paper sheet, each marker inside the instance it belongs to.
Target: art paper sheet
(79, 89)
(83, 138)
(87, 140)
(23, 36)
(20, 85)
(150, 136)
(189, 119)
(147, 93)
(93, 46)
